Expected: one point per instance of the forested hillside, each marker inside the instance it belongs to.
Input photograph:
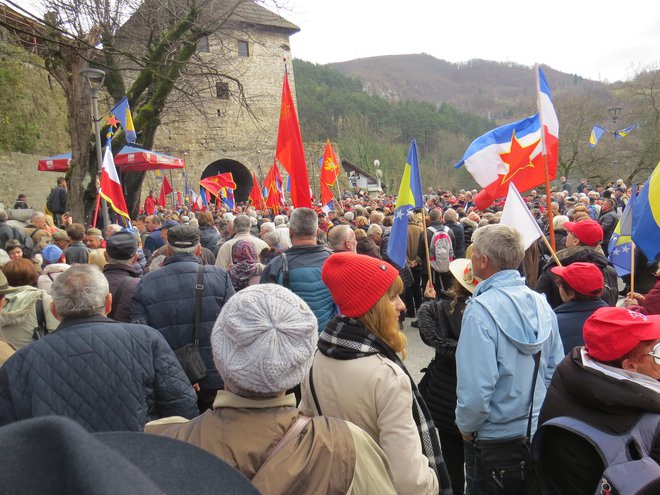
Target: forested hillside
(367, 127)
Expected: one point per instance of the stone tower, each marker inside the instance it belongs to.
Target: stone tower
(230, 125)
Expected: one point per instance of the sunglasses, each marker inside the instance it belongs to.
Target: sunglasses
(655, 353)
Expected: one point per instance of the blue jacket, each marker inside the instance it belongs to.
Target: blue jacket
(106, 375)
(165, 300)
(305, 263)
(153, 242)
(571, 317)
(504, 325)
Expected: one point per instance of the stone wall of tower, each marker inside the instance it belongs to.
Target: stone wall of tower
(226, 129)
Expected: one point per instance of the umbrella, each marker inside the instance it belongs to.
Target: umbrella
(129, 159)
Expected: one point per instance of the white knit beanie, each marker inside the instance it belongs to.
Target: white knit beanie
(264, 340)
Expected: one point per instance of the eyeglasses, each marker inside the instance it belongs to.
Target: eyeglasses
(655, 353)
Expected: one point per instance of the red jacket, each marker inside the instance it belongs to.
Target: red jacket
(150, 205)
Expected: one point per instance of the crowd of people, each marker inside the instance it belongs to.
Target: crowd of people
(274, 340)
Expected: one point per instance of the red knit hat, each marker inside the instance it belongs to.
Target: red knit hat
(588, 232)
(611, 333)
(343, 273)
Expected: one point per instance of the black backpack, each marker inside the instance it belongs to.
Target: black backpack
(27, 245)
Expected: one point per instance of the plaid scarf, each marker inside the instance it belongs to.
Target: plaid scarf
(345, 338)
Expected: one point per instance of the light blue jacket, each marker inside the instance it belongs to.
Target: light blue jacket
(504, 325)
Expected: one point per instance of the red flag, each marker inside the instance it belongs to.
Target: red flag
(256, 196)
(290, 152)
(110, 188)
(164, 191)
(326, 193)
(217, 182)
(273, 185)
(330, 166)
(178, 198)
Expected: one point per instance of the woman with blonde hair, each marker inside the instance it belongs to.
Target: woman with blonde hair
(358, 376)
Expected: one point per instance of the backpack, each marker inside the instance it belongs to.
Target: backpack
(50, 201)
(441, 251)
(629, 469)
(27, 245)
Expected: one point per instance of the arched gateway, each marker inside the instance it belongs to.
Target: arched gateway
(242, 176)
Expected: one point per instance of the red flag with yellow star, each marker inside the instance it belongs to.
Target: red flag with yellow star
(330, 166)
(218, 182)
(290, 152)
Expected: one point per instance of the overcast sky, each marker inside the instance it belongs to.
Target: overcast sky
(602, 40)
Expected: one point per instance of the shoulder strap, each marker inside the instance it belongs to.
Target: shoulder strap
(537, 363)
(313, 390)
(118, 294)
(432, 229)
(34, 232)
(293, 431)
(285, 271)
(41, 330)
(199, 290)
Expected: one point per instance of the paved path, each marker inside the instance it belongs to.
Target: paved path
(419, 354)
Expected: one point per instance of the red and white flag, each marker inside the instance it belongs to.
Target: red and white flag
(110, 188)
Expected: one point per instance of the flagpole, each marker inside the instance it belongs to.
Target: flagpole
(96, 210)
(426, 248)
(632, 266)
(548, 199)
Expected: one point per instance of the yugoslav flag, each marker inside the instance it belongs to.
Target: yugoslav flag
(110, 187)
(516, 152)
(596, 133)
(410, 196)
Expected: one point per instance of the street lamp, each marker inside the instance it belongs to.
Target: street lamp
(95, 78)
(614, 114)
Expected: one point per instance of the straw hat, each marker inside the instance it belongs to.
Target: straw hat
(461, 269)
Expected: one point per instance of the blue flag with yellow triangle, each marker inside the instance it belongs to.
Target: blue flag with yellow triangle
(624, 132)
(410, 196)
(646, 217)
(122, 113)
(620, 246)
(596, 133)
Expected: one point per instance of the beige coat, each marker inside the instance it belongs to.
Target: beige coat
(224, 255)
(330, 456)
(375, 394)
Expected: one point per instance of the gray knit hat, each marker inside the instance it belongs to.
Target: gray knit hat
(264, 340)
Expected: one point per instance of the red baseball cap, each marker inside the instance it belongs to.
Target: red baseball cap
(611, 333)
(588, 231)
(584, 278)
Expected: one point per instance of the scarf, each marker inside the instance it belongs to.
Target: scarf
(345, 338)
(245, 264)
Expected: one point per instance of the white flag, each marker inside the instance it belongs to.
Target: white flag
(517, 215)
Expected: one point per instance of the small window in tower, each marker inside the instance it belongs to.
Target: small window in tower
(243, 49)
(222, 90)
(203, 44)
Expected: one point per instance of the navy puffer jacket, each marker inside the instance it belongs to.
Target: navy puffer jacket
(165, 300)
(104, 374)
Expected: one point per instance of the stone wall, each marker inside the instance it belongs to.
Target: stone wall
(226, 130)
(19, 174)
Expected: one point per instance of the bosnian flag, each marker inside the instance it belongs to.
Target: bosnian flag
(110, 187)
(516, 153)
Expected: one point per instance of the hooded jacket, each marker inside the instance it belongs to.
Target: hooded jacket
(18, 319)
(504, 325)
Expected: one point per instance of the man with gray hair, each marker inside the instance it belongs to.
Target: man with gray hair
(165, 300)
(36, 230)
(509, 333)
(106, 375)
(342, 238)
(299, 267)
(242, 224)
(283, 229)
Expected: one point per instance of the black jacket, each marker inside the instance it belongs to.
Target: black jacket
(210, 238)
(545, 284)
(106, 375)
(165, 300)
(571, 317)
(115, 274)
(440, 327)
(610, 404)
(459, 239)
(57, 200)
(77, 252)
